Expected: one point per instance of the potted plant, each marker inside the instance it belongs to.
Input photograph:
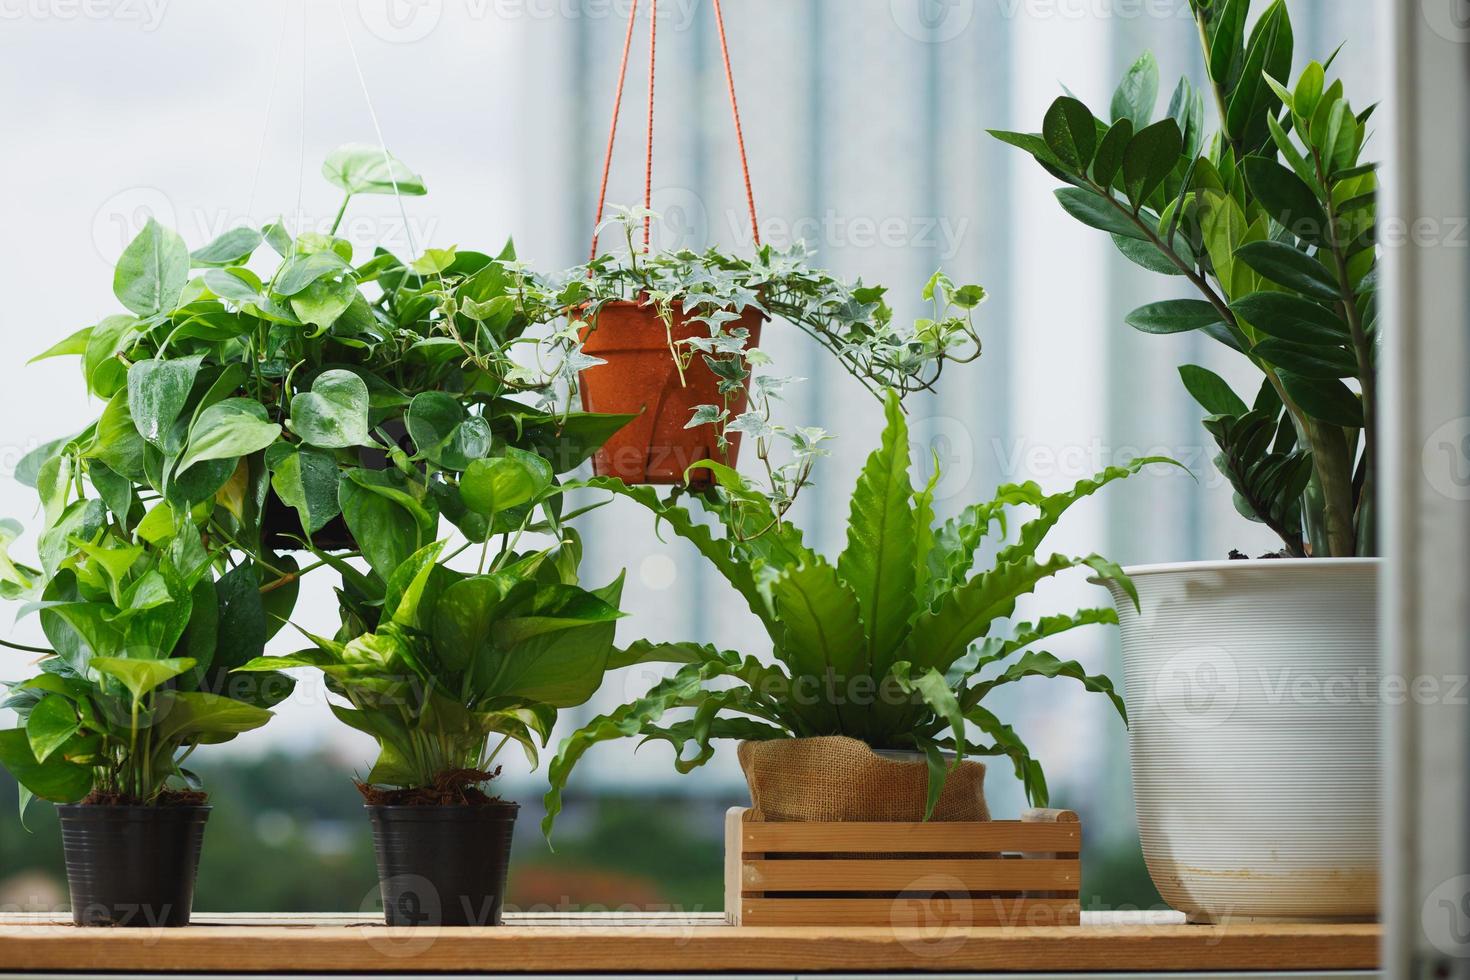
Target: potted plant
(1271, 221)
(350, 400)
(673, 335)
(446, 668)
(290, 383)
(143, 637)
(883, 660)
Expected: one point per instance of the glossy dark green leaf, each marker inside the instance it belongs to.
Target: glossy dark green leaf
(387, 521)
(1109, 158)
(1173, 316)
(1070, 132)
(1149, 157)
(1328, 400)
(1291, 318)
(1290, 267)
(1287, 199)
(1211, 391)
(1314, 361)
(241, 617)
(1093, 210)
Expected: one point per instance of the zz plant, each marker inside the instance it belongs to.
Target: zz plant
(891, 644)
(445, 668)
(1271, 221)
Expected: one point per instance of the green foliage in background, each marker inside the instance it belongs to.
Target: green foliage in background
(1271, 220)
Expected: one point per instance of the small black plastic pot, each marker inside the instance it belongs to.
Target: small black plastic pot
(443, 865)
(131, 865)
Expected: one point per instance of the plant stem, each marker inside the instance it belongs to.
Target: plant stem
(1362, 350)
(340, 212)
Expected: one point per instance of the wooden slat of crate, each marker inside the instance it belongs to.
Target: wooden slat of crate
(909, 913)
(897, 875)
(928, 838)
(1004, 872)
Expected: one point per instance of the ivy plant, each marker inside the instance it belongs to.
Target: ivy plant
(445, 668)
(1271, 222)
(714, 289)
(891, 644)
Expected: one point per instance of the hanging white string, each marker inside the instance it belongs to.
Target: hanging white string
(377, 128)
(301, 143)
(270, 104)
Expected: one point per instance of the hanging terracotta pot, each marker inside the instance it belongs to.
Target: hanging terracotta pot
(641, 378)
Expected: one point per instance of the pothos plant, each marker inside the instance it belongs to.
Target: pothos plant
(362, 389)
(368, 391)
(446, 668)
(891, 644)
(716, 289)
(1271, 221)
(143, 636)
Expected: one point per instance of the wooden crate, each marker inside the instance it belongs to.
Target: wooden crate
(1003, 872)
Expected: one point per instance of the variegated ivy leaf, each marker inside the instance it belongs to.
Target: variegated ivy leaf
(577, 361)
(753, 424)
(767, 386)
(755, 357)
(706, 415)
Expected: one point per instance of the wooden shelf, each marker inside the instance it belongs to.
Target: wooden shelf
(653, 943)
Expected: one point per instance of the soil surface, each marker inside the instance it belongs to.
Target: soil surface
(169, 797)
(456, 787)
(1241, 556)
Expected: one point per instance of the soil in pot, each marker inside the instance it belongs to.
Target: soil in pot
(442, 863)
(130, 865)
(640, 378)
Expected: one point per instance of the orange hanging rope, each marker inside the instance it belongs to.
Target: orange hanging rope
(755, 230)
(648, 154)
(648, 157)
(612, 131)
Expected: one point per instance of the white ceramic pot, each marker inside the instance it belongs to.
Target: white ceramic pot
(1253, 693)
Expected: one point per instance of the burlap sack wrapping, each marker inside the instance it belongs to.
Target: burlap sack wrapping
(840, 779)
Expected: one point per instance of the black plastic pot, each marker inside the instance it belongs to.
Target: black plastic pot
(132, 865)
(443, 865)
